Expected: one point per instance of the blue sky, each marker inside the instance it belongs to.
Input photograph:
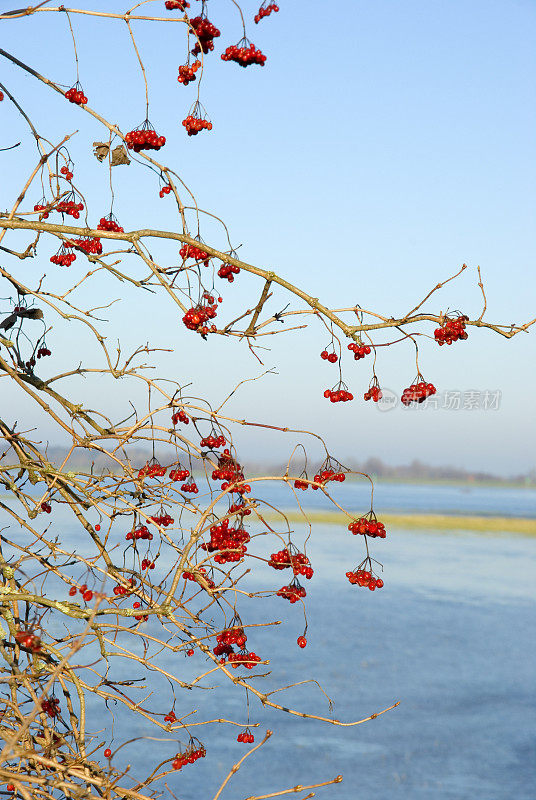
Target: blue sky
(382, 145)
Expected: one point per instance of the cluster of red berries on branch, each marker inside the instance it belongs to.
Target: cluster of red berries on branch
(76, 95)
(227, 638)
(206, 32)
(230, 472)
(44, 506)
(228, 271)
(451, 330)
(86, 593)
(162, 519)
(51, 707)
(171, 717)
(194, 123)
(147, 564)
(326, 473)
(63, 258)
(195, 252)
(92, 246)
(368, 526)
(139, 617)
(196, 317)
(152, 470)
(190, 576)
(265, 10)
(28, 640)
(331, 357)
(246, 737)
(293, 592)
(180, 416)
(119, 590)
(190, 756)
(190, 487)
(187, 72)
(109, 224)
(166, 189)
(359, 350)
(418, 392)
(292, 557)
(239, 507)
(339, 393)
(374, 392)
(230, 542)
(43, 206)
(302, 484)
(179, 474)
(244, 53)
(43, 351)
(66, 172)
(213, 441)
(144, 137)
(142, 532)
(177, 5)
(243, 659)
(69, 207)
(363, 577)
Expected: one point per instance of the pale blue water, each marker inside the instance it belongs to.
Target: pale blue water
(452, 636)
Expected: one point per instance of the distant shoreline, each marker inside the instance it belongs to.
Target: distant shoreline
(443, 522)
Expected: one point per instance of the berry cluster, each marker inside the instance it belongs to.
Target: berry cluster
(166, 189)
(293, 592)
(338, 394)
(327, 473)
(179, 416)
(171, 717)
(179, 474)
(206, 32)
(292, 558)
(265, 11)
(139, 617)
(244, 54)
(43, 351)
(451, 330)
(162, 519)
(229, 471)
(246, 736)
(187, 72)
(418, 392)
(147, 564)
(299, 483)
(43, 206)
(190, 756)
(196, 317)
(244, 659)
(154, 470)
(190, 487)
(122, 590)
(144, 138)
(228, 271)
(195, 124)
(179, 5)
(66, 172)
(63, 258)
(51, 707)
(195, 252)
(363, 577)
(374, 393)
(139, 533)
(90, 245)
(86, 593)
(213, 441)
(189, 576)
(44, 506)
(231, 542)
(331, 357)
(359, 350)
(110, 224)
(368, 526)
(229, 637)
(76, 95)
(28, 640)
(239, 507)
